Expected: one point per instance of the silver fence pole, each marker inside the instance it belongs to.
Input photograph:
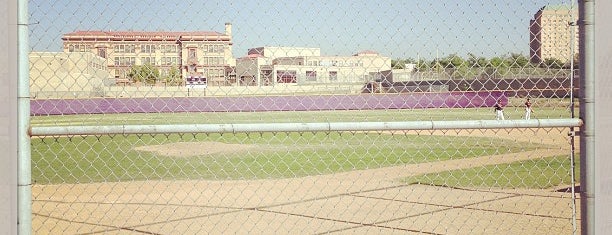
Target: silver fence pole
(24, 168)
(573, 25)
(301, 127)
(587, 104)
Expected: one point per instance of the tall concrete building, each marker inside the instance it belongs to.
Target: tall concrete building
(200, 53)
(552, 33)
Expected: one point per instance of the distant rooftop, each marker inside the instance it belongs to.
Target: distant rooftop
(366, 52)
(140, 35)
(557, 8)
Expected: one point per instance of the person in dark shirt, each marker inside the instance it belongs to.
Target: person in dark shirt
(499, 111)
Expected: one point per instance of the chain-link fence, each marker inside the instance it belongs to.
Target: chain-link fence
(189, 117)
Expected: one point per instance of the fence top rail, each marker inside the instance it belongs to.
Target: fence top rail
(302, 127)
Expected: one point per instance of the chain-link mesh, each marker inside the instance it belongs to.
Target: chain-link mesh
(166, 67)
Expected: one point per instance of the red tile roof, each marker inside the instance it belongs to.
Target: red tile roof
(141, 35)
(367, 52)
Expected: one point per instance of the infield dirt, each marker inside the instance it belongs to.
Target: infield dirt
(364, 201)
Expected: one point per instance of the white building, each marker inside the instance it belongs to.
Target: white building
(294, 65)
(67, 74)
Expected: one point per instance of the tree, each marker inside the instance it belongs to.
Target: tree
(401, 63)
(422, 65)
(497, 62)
(436, 65)
(476, 62)
(174, 77)
(398, 64)
(552, 63)
(144, 73)
(517, 60)
(456, 61)
(497, 67)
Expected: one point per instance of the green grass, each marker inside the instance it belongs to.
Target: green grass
(113, 158)
(83, 159)
(292, 116)
(534, 174)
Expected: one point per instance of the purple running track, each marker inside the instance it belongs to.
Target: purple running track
(267, 103)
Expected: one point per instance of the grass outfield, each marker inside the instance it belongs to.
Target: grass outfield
(113, 158)
(84, 159)
(541, 173)
(293, 116)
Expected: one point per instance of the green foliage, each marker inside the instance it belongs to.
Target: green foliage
(456, 67)
(552, 63)
(497, 62)
(397, 64)
(144, 73)
(517, 60)
(174, 77)
(401, 63)
(422, 65)
(476, 62)
(452, 61)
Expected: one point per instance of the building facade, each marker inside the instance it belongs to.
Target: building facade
(553, 32)
(67, 75)
(283, 65)
(191, 54)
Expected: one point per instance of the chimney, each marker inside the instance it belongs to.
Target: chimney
(228, 29)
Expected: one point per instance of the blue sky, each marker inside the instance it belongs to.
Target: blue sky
(395, 28)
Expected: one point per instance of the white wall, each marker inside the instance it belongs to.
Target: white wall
(8, 117)
(603, 117)
(66, 74)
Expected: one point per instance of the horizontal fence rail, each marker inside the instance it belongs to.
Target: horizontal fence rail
(302, 127)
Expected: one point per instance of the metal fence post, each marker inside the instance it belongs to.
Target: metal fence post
(23, 124)
(587, 103)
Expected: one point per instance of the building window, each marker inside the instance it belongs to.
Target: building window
(192, 53)
(124, 48)
(286, 76)
(147, 60)
(147, 49)
(212, 61)
(311, 75)
(102, 52)
(313, 63)
(333, 75)
(170, 48)
(213, 48)
(169, 61)
(79, 48)
(125, 61)
(192, 69)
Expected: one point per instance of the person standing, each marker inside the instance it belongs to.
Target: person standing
(499, 111)
(528, 109)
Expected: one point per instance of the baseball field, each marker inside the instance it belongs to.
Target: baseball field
(433, 182)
